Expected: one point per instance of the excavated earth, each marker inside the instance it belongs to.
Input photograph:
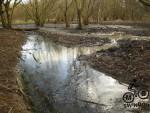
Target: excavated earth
(129, 60)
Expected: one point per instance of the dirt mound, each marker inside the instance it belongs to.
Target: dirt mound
(131, 59)
(74, 40)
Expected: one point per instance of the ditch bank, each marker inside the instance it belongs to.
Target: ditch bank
(12, 97)
(71, 39)
(129, 60)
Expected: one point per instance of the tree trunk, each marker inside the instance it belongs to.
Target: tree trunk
(66, 20)
(2, 15)
(39, 24)
(79, 20)
(3, 21)
(7, 17)
(86, 21)
(79, 15)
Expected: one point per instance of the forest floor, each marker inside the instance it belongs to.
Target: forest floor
(11, 95)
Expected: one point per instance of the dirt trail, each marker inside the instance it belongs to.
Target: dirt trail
(11, 98)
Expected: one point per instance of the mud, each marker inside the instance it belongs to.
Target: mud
(11, 95)
(130, 59)
(74, 40)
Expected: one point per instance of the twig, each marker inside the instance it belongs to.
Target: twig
(90, 102)
(5, 87)
(123, 84)
(35, 59)
(28, 49)
(20, 89)
(10, 110)
(22, 59)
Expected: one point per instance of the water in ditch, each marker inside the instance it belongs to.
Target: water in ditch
(58, 83)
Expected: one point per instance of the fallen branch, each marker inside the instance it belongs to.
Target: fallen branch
(35, 59)
(2, 86)
(10, 110)
(28, 49)
(90, 102)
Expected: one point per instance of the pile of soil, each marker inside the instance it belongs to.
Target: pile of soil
(11, 98)
(74, 40)
(130, 60)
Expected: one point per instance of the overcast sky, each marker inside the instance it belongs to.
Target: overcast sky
(25, 1)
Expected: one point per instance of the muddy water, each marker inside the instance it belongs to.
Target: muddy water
(58, 83)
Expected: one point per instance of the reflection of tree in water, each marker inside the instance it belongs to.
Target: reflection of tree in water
(40, 100)
(62, 62)
(74, 82)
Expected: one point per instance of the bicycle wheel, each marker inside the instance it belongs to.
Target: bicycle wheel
(143, 94)
(128, 97)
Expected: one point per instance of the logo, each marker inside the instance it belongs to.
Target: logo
(135, 92)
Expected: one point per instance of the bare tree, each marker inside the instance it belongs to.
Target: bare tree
(1, 13)
(145, 2)
(81, 11)
(88, 10)
(64, 7)
(1, 6)
(79, 8)
(7, 8)
(39, 10)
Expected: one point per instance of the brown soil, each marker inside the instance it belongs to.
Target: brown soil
(11, 98)
(74, 39)
(131, 60)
